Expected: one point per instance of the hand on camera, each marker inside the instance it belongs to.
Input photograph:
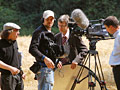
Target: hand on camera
(59, 65)
(49, 62)
(73, 65)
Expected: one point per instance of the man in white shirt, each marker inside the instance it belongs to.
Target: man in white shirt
(112, 26)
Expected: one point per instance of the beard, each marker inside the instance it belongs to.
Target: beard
(48, 26)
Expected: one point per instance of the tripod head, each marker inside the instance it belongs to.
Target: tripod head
(92, 43)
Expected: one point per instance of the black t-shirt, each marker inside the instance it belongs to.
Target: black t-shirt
(9, 54)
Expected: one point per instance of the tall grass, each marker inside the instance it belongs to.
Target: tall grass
(104, 49)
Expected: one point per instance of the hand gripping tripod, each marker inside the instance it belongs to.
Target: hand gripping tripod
(97, 74)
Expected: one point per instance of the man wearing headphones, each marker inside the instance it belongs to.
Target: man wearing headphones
(45, 76)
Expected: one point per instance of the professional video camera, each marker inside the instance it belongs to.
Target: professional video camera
(92, 29)
(95, 30)
(50, 48)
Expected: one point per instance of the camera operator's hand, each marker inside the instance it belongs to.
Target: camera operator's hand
(49, 62)
(59, 65)
(73, 65)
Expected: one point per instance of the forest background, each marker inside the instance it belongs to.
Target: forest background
(28, 13)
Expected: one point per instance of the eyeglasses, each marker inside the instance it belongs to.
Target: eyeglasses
(62, 26)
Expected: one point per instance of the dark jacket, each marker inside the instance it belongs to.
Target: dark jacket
(75, 43)
(9, 54)
(39, 46)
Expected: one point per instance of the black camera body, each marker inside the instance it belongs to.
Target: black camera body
(49, 47)
(93, 31)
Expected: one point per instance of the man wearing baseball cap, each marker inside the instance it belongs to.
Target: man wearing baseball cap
(10, 67)
(45, 76)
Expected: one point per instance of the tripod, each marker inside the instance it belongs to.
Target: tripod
(97, 74)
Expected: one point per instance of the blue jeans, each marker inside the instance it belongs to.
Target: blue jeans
(45, 79)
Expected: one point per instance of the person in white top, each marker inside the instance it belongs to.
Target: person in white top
(112, 26)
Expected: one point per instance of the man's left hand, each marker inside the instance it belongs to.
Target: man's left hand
(73, 65)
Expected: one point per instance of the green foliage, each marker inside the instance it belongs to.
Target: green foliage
(8, 15)
(26, 31)
(28, 13)
(101, 9)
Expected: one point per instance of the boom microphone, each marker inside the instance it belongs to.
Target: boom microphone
(80, 18)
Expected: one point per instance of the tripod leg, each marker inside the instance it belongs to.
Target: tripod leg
(74, 84)
(70, 75)
(103, 83)
(80, 73)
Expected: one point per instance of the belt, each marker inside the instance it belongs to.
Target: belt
(115, 65)
(42, 65)
(9, 73)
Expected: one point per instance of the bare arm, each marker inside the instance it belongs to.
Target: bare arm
(13, 70)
